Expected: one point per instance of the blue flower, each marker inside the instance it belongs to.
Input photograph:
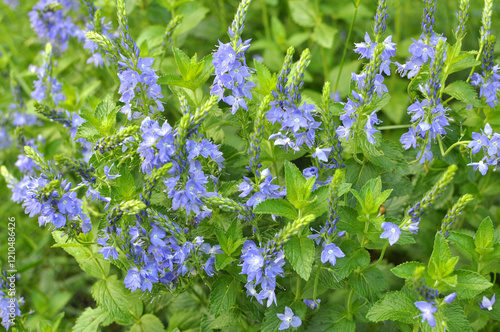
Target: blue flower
(330, 253)
(427, 311)
(487, 303)
(133, 280)
(391, 232)
(311, 303)
(110, 176)
(481, 166)
(109, 251)
(288, 319)
(450, 298)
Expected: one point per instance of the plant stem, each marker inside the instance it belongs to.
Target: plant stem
(316, 279)
(347, 44)
(349, 302)
(265, 18)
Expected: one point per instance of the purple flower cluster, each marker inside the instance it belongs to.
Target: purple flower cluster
(423, 51)
(46, 85)
(104, 28)
(9, 304)
(50, 20)
(232, 73)
(265, 189)
(489, 80)
(429, 117)
(52, 200)
(487, 142)
(262, 266)
(137, 77)
(368, 82)
(298, 125)
(160, 254)
(187, 183)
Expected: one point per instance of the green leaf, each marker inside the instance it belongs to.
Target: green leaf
(320, 203)
(464, 61)
(408, 270)
(355, 257)
(223, 294)
(222, 260)
(441, 264)
(455, 318)
(279, 207)
(470, 284)
(172, 79)
(323, 35)
(91, 319)
(463, 91)
(465, 243)
(294, 182)
(368, 283)
(106, 114)
(125, 185)
(148, 323)
(87, 257)
(330, 319)
(278, 30)
(266, 81)
(302, 13)
(300, 252)
(112, 295)
(485, 237)
(88, 132)
(398, 306)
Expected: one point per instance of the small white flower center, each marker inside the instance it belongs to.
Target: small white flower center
(330, 251)
(490, 308)
(393, 230)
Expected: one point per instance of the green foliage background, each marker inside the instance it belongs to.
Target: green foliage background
(53, 284)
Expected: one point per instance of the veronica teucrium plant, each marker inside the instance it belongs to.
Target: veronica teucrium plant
(315, 170)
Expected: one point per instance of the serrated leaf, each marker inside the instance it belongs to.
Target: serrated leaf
(470, 284)
(172, 79)
(300, 252)
(368, 283)
(148, 323)
(222, 260)
(485, 237)
(294, 182)
(398, 306)
(91, 319)
(407, 270)
(355, 257)
(463, 91)
(320, 204)
(279, 207)
(465, 243)
(182, 61)
(112, 295)
(440, 256)
(88, 132)
(455, 318)
(223, 294)
(87, 257)
(331, 320)
(106, 112)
